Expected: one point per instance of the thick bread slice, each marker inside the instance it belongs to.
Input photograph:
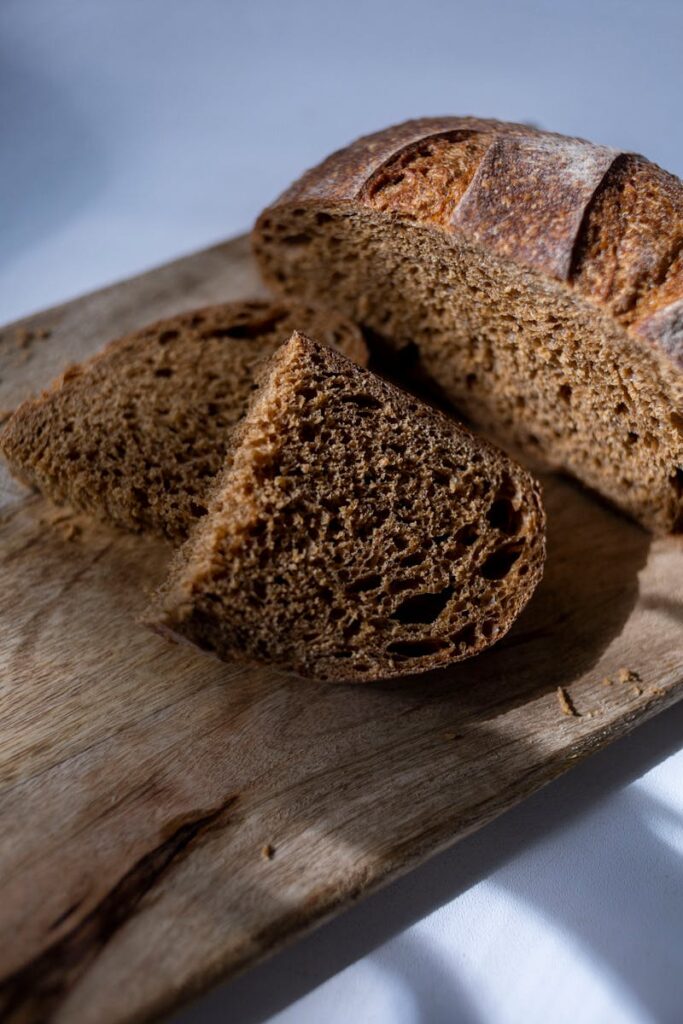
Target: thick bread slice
(356, 533)
(537, 279)
(137, 434)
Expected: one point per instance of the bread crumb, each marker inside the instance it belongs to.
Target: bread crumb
(566, 703)
(628, 675)
(637, 691)
(449, 735)
(268, 851)
(43, 332)
(606, 681)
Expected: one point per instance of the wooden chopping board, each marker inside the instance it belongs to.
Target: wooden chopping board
(167, 820)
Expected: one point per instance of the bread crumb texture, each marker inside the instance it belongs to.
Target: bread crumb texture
(567, 706)
(356, 533)
(628, 675)
(137, 434)
(537, 281)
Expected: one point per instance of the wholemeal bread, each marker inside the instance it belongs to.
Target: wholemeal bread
(356, 533)
(137, 434)
(537, 279)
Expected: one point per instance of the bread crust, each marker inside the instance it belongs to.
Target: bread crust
(529, 201)
(541, 184)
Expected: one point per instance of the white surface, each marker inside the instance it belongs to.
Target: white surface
(136, 130)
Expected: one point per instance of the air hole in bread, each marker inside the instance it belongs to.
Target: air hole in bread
(254, 329)
(365, 583)
(141, 497)
(399, 586)
(488, 628)
(467, 635)
(499, 563)
(351, 630)
(467, 535)
(503, 516)
(301, 239)
(423, 608)
(415, 648)
(415, 559)
(166, 336)
(363, 401)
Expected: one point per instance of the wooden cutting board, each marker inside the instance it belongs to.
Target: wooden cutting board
(167, 820)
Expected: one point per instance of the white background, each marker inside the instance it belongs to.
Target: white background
(132, 131)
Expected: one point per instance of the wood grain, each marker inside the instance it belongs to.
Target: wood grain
(167, 820)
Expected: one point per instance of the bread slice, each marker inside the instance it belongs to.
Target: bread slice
(356, 533)
(137, 434)
(537, 279)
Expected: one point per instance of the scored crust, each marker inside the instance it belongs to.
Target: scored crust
(137, 434)
(356, 533)
(514, 261)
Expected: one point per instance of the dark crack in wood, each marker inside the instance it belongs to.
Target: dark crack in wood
(34, 993)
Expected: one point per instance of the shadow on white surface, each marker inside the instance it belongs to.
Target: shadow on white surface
(624, 909)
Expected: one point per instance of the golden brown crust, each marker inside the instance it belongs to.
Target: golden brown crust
(527, 200)
(343, 175)
(609, 224)
(628, 256)
(429, 177)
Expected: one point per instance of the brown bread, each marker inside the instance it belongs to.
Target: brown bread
(537, 279)
(356, 533)
(137, 434)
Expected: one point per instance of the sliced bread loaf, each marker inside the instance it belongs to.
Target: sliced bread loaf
(356, 533)
(137, 434)
(537, 279)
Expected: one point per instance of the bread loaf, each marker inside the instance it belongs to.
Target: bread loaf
(137, 434)
(537, 279)
(356, 533)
